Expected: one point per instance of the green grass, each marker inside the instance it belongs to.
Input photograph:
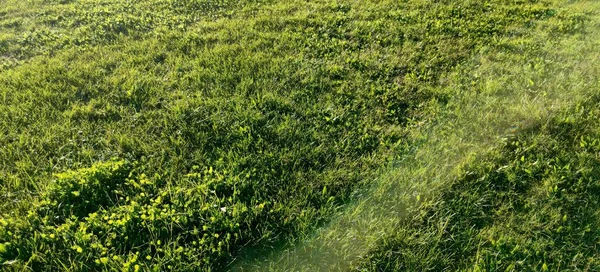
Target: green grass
(499, 93)
(529, 204)
(186, 135)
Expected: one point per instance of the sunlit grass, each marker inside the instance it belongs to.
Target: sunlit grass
(198, 135)
(499, 96)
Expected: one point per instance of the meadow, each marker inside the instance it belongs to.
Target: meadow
(211, 135)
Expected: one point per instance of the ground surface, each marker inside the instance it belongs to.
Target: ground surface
(285, 135)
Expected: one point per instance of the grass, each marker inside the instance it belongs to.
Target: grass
(501, 93)
(528, 204)
(186, 135)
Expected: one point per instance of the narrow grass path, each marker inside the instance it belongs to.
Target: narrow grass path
(498, 93)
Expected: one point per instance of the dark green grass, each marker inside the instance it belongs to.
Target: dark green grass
(531, 205)
(187, 130)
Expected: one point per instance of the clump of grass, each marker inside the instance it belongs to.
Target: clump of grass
(108, 216)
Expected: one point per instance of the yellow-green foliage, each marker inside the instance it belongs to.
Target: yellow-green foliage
(106, 216)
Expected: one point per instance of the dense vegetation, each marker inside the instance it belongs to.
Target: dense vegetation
(170, 135)
(531, 205)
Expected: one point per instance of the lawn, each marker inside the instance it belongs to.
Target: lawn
(249, 135)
